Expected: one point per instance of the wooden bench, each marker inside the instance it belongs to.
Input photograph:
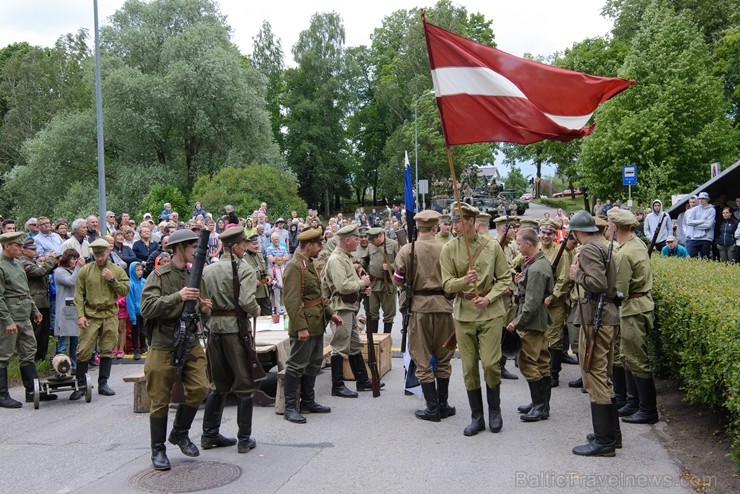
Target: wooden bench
(280, 394)
(142, 404)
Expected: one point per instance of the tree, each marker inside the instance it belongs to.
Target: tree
(159, 194)
(267, 58)
(515, 180)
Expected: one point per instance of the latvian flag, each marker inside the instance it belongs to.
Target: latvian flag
(486, 95)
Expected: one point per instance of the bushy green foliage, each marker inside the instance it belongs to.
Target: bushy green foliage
(158, 195)
(698, 313)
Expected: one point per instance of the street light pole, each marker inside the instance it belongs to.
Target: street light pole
(99, 119)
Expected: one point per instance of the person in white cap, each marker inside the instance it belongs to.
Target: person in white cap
(700, 227)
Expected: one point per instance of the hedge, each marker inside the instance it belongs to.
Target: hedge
(697, 307)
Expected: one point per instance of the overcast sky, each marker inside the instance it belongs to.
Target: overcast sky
(540, 27)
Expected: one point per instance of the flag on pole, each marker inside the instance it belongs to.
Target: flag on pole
(409, 197)
(487, 95)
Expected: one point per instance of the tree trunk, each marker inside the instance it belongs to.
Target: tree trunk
(538, 163)
(326, 202)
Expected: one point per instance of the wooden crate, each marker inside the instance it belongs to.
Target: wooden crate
(383, 344)
(141, 399)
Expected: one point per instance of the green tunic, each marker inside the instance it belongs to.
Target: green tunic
(536, 285)
(300, 289)
(92, 290)
(340, 278)
(38, 279)
(16, 303)
(634, 276)
(218, 286)
(375, 267)
(257, 263)
(161, 300)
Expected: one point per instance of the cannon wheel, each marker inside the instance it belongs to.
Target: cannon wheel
(36, 391)
(88, 388)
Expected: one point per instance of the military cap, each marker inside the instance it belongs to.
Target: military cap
(515, 220)
(363, 231)
(309, 234)
(100, 244)
(254, 238)
(445, 218)
(549, 226)
(468, 211)
(601, 222)
(29, 243)
(622, 217)
(371, 232)
(232, 236)
(528, 223)
(350, 230)
(427, 218)
(181, 236)
(12, 238)
(503, 219)
(483, 217)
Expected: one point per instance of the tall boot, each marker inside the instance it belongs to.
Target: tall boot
(477, 423)
(103, 376)
(431, 413)
(505, 374)
(648, 410)
(493, 395)
(576, 383)
(538, 390)
(308, 396)
(633, 402)
(337, 379)
(212, 416)
(244, 419)
(617, 429)
(443, 386)
(81, 375)
(603, 444)
(291, 400)
(387, 327)
(556, 357)
(5, 400)
(619, 380)
(548, 393)
(28, 376)
(180, 428)
(158, 433)
(357, 364)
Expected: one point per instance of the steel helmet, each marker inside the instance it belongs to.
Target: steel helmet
(181, 236)
(582, 221)
(511, 343)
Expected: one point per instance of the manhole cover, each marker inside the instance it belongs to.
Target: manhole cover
(186, 476)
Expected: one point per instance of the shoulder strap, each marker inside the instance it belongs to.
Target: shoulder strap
(479, 250)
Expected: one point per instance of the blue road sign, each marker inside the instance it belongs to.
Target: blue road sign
(629, 175)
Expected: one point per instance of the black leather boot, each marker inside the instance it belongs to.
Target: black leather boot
(357, 364)
(505, 374)
(577, 383)
(387, 327)
(291, 400)
(477, 423)
(244, 419)
(337, 379)
(81, 375)
(538, 390)
(524, 408)
(569, 359)
(158, 433)
(28, 376)
(103, 376)
(180, 428)
(633, 402)
(648, 410)
(556, 357)
(603, 418)
(431, 413)
(308, 396)
(548, 393)
(619, 380)
(617, 429)
(493, 395)
(212, 416)
(5, 400)
(445, 409)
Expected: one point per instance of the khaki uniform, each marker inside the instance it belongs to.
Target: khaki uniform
(95, 299)
(431, 323)
(16, 306)
(341, 286)
(444, 238)
(383, 291)
(262, 293)
(306, 310)
(558, 306)
(478, 331)
(38, 283)
(161, 302)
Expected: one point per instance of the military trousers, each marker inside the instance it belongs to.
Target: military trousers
(387, 302)
(558, 315)
(22, 343)
(534, 358)
(618, 355)
(598, 381)
(480, 341)
(305, 357)
(104, 331)
(573, 330)
(346, 340)
(228, 368)
(160, 377)
(633, 344)
(428, 332)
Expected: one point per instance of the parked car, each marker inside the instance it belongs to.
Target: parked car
(566, 193)
(527, 197)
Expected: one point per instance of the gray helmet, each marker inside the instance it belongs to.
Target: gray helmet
(181, 236)
(582, 221)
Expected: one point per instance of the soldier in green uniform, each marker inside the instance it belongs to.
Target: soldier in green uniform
(382, 253)
(162, 302)
(38, 282)
(17, 310)
(445, 225)
(98, 286)
(479, 283)
(256, 261)
(535, 284)
(505, 235)
(308, 315)
(341, 284)
(228, 366)
(594, 275)
(362, 250)
(635, 282)
(430, 324)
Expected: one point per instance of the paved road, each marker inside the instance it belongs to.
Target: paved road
(365, 445)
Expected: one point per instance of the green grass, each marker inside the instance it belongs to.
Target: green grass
(43, 368)
(567, 204)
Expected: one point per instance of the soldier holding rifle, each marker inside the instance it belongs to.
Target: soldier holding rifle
(430, 322)
(382, 253)
(228, 359)
(162, 302)
(595, 276)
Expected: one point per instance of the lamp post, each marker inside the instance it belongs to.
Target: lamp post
(99, 120)
(416, 141)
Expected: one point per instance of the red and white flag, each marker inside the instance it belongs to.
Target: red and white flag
(487, 95)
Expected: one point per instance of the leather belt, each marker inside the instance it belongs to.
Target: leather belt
(313, 303)
(595, 297)
(18, 297)
(471, 296)
(224, 313)
(100, 308)
(636, 295)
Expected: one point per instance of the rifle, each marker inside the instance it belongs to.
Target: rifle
(189, 317)
(599, 310)
(409, 295)
(386, 276)
(556, 261)
(253, 362)
(655, 235)
(372, 361)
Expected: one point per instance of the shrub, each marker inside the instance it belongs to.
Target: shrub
(158, 195)
(698, 339)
